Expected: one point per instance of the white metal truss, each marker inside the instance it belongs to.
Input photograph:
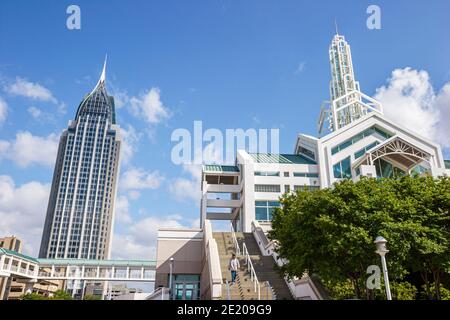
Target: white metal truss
(347, 103)
(399, 151)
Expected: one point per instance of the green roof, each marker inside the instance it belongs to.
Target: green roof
(281, 158)
(447, 164)
(93, 262)
(17, 254)
(220, 168)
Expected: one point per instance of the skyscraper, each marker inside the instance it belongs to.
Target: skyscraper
(80, 214)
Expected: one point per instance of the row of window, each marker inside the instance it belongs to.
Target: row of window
(277, 188)
(286, 174)
(361, 152)
(358, 137)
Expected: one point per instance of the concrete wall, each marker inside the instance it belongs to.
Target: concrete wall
(185, 246)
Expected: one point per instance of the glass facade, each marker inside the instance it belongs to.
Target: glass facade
(264, 210)
(267, 173)
(342, 170)
(267, 188)
(79, 215)
(360, 136)
(386, 169)
(306, 174)
(360, 153)
(186, 287)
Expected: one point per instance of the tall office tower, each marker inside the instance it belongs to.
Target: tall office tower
(347, 103)
(80, 214)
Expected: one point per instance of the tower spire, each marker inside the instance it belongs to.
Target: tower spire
(101, 80)
(103, 75)
(335, 25)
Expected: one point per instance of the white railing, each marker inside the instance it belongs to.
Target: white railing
(251, 270)
(228, 290)
(235, 242)
(160, 293)
(268, 248)
(270, 293)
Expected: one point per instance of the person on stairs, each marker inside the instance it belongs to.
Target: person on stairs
(234, 267)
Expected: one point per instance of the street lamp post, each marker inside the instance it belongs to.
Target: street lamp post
(382, 250)
(170, 277)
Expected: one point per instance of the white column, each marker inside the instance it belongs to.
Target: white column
(10, 263)
(128, 273)
(52, 272)
(98, 271)
(2, 261)
(113, 271)
(142, 273)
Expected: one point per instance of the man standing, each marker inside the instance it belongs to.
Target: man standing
(234, 267)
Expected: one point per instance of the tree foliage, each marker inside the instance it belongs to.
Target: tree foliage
(58, 295)
(330, 232)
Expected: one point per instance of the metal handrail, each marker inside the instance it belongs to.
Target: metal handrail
(228, 290)
(270, 291)
(252, 271)
(235, 242)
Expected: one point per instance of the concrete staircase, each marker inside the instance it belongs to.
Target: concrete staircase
(264, 268)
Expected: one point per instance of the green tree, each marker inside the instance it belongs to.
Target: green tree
(33, 296)
(62, 295)
(330, 232)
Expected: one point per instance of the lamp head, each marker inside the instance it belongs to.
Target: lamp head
(380, 242)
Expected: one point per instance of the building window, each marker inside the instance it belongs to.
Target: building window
(287, 188)
(342, 170)
(306, 187)
(267, 173)
(264, 210)
(267, 188)
(306, 174)
(361, 152)
(385, 169)
(358, 137)
(186, 287)
(286, 174)
(306, 152)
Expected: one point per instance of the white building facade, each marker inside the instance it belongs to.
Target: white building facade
(357, 140)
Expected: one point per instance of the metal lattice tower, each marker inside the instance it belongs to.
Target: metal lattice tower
(347, 103)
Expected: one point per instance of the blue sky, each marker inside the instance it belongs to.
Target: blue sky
(231, 64)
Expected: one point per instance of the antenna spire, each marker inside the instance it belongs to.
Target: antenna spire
(103, 75)
(336, 26)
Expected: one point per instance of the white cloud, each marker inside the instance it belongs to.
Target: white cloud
(32, 90)
(36, 113)
(189, 189)
(149, 106)
(3, 110)
(137, 179)
(141, 237)
(122, 213)
(186, 189)
(409, 99)
(27, 149)
(130, 139)
(121, 98)
(22, 211)
(300, 68)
